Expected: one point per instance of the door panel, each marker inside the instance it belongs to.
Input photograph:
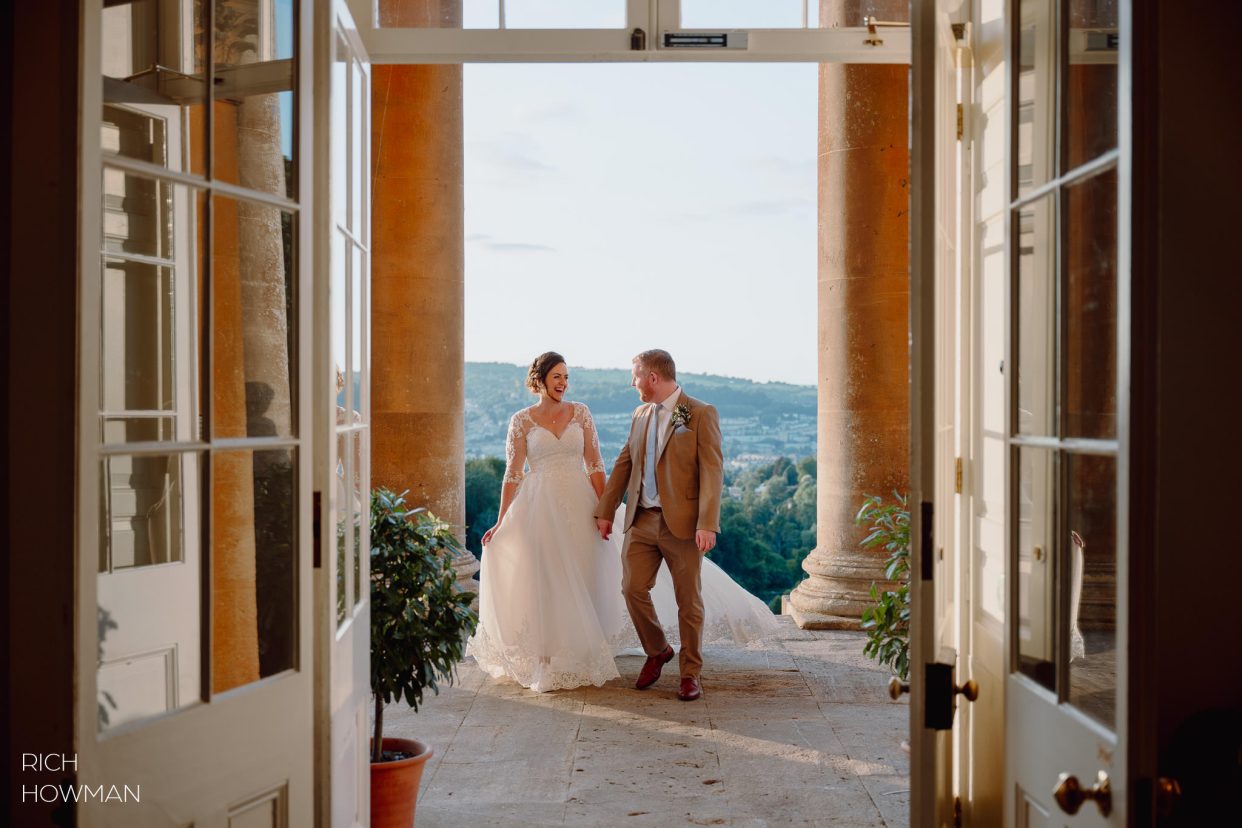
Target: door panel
(194, 502)
(1065, 687)
(342, 473)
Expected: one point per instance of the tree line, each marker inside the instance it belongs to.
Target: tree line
(767, 520)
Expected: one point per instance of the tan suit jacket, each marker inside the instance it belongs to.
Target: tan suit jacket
(689, 471)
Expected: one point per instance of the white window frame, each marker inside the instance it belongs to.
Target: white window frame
(887, 44)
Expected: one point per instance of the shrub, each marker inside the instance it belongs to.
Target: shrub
(419, 619)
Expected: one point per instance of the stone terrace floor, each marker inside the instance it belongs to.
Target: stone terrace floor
(800, 733)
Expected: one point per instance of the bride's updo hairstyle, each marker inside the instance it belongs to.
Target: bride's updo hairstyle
(540, 368)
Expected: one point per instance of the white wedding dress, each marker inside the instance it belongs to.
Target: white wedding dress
(551, 614)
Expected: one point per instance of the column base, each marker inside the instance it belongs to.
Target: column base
(465, 564)
(820, 621)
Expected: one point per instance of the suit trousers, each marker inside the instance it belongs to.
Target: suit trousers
(649, 542)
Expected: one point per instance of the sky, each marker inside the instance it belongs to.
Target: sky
(612, 208)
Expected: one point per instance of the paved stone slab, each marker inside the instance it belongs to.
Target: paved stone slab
(797, 733)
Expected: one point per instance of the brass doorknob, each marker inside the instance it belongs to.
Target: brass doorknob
(1070, 794)
(896, 687)
(1168, 793)
(969, 690)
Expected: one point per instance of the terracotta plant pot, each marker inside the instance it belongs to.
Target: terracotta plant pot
(394, 785)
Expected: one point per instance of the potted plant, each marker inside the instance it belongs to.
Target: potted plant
(887, 620)
(419, 625)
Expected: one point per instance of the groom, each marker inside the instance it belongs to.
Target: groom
(671, 472)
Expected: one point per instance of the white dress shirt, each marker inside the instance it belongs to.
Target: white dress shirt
(651, 500)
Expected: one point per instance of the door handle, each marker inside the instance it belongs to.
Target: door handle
(1168, 794)
(897, 687)
(1070, 794)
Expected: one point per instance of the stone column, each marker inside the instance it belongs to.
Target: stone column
(864, 420)
(417, 287)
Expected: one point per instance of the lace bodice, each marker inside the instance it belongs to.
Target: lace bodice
(528, 442)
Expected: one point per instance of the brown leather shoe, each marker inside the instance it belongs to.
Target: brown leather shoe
(690, 689)
(652, 667)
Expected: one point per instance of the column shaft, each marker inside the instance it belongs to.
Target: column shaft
(864, 420)
(418, 292)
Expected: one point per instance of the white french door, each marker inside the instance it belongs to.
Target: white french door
(1041, 407)
(194, 564)
(1066, 418)
(342, 421)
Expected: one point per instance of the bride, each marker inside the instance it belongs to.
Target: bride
(551, 615)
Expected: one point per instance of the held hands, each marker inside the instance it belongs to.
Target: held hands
(604, 526)
(704, 540)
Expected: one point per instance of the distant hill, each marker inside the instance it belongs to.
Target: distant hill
(760, 421)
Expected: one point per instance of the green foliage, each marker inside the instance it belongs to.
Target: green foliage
(419, 620)
(887, 621)
(767, 522)
(483, 479)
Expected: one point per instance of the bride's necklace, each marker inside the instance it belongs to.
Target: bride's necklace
(554, 420)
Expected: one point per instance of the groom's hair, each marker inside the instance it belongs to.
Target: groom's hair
(659, 362)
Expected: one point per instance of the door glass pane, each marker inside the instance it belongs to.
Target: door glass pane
(151, 277)
(139, 215)
(254, 105)
(360, 165)
(357, 330)
(1035, 320)
(253, 325)
(1034, 504)
(1034, 96)
(1090, 285)
(142, 522)
(152, 55)
(361, 512)
(338, 304)
(138, 353)
(253, 508)
(1090, 544)
(1090, 109)
(750, 14)
(339, 182)
(149, 587)
(344, 511)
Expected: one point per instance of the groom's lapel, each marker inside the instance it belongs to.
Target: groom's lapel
(642, 443)
(668, 431)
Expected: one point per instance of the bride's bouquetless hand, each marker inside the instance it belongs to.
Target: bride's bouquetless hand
(487, 536)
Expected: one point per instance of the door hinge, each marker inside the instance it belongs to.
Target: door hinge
(957, 812)
(316, 511)
(960, 122)
(957, 475)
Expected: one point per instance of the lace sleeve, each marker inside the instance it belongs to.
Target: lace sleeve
(515, 450)
(590, 443)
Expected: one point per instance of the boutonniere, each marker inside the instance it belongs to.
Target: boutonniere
(681, 415)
